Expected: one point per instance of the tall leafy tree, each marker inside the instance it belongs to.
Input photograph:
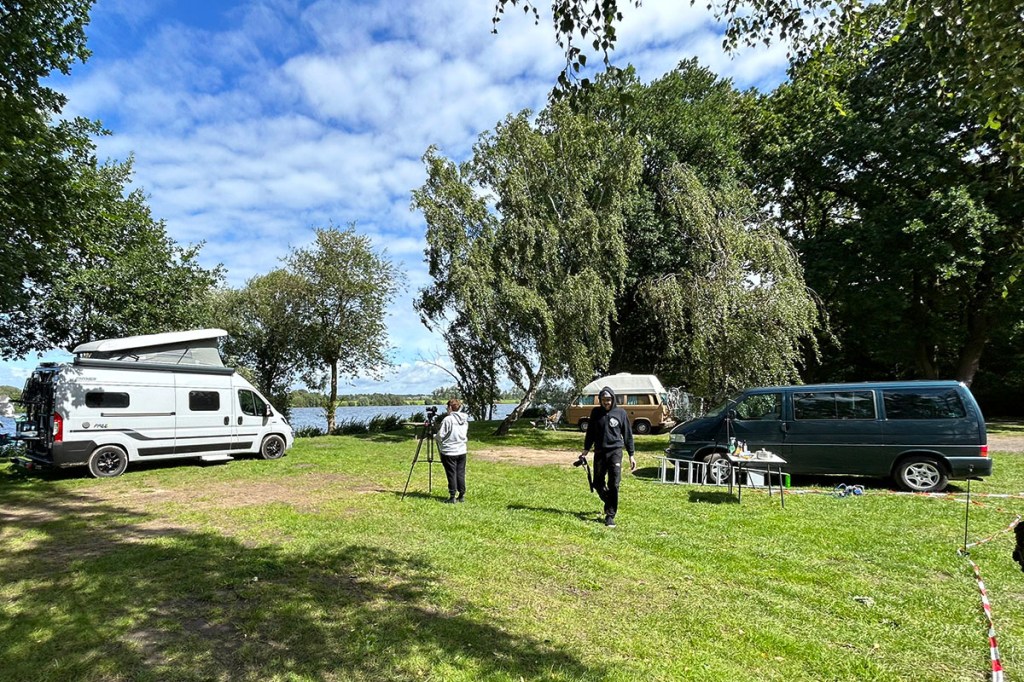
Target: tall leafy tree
(263, 323)
(719, 297)
(901, 204)
(525, 242)
(345, 287)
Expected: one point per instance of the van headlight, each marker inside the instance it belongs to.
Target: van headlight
(676, 438)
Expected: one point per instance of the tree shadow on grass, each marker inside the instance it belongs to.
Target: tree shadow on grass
(97, 591)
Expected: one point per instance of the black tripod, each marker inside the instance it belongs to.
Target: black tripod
(426, 434)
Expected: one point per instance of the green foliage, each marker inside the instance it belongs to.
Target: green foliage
(263, 325)
(525, 244)
(11, 392)
(901, 206)
(343, 288)
(717, 296)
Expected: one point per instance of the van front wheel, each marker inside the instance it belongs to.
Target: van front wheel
(921, 475)
(717, 470)
(273, 447)
(107, 462)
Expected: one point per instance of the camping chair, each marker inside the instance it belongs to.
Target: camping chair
(552, 421)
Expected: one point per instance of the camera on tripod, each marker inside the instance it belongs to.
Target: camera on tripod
(431, 413)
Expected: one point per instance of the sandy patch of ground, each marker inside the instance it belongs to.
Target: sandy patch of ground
(526, 456)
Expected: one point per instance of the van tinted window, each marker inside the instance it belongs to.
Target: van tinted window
(103, 399)
(923, 403)
(764, 406)
(834, 405)
(203, 401)
(642, 399)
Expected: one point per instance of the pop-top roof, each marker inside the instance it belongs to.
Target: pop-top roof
(625, 382)
(195, 347)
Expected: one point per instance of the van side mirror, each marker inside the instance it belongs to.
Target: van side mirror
(268, 411)
(731, 414)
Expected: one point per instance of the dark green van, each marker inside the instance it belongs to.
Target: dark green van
(919, 433)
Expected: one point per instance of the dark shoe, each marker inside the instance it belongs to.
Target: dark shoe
(450, 500)
(609, 521)
(460, 499)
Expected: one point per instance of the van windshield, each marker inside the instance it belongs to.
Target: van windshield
(719, 410)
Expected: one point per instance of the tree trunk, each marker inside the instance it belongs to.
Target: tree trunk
(332, 400)
(970, 352)
(527, 399)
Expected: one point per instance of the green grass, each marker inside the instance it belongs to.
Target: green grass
(314, 568)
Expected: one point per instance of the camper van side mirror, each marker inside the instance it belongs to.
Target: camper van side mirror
(268, 411)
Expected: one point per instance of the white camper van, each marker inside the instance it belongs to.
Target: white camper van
(145, 398)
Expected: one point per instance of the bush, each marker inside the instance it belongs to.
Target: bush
(382, 423)
(349, 427)
(309, 432)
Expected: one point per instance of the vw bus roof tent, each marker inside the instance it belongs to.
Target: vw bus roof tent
(189, 351)
(625, 382)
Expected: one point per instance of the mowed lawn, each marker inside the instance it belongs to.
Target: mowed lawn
(313, 568)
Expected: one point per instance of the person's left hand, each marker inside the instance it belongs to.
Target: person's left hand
(632, 463)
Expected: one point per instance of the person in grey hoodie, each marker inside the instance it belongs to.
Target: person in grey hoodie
(608, 432)
(451, 436)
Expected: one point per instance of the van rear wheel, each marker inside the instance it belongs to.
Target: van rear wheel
(921, 475)
(272, 447)
(641, 427)
(107, 461)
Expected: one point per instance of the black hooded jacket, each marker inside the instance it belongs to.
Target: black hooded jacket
(609, 430)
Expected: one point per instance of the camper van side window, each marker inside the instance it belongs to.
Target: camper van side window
(101, 399)
(203, 401)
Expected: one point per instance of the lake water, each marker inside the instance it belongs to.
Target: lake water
(303, 417)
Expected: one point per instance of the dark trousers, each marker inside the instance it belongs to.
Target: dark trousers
(455, 472)
(607, 477)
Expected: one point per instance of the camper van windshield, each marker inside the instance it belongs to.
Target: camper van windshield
(719, 410)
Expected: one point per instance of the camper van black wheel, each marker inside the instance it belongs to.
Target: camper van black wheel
(584, 423)
(273, 447)
(107, 461)
(642, 427)
(921, 475)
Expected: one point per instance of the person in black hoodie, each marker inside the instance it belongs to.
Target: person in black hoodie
(608, 432)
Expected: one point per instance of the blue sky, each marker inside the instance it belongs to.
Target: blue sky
(251, 122)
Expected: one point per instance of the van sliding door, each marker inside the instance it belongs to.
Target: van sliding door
(834, 432)
(204, 410)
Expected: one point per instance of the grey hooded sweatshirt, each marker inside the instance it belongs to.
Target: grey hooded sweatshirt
(453, 434)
